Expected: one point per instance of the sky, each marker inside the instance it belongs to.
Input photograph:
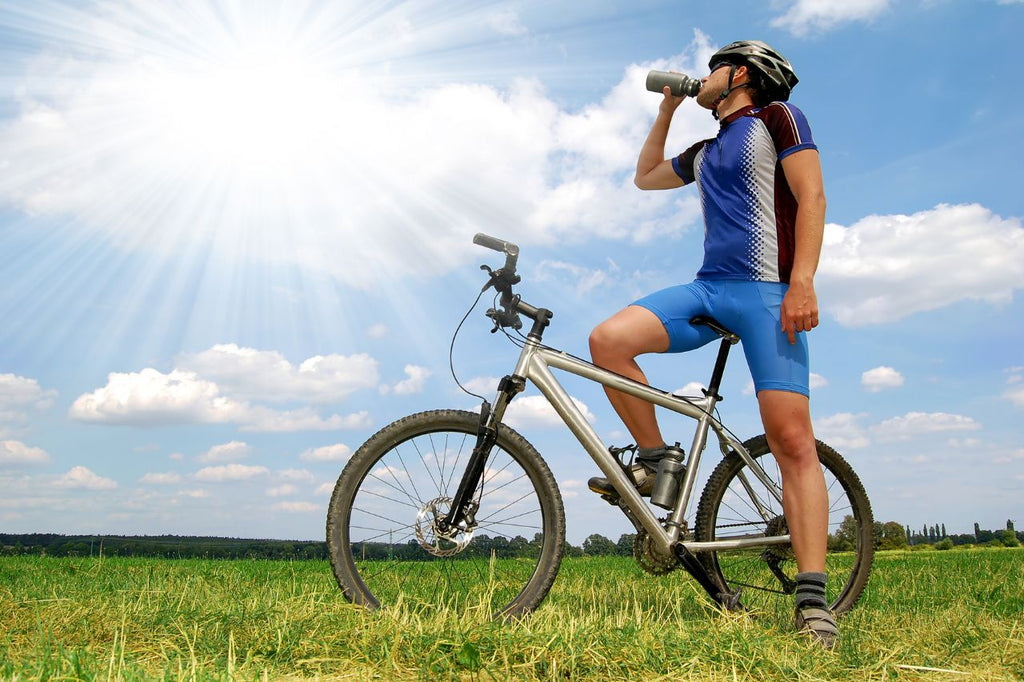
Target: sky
(236, 240)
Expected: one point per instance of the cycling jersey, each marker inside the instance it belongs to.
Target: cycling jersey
(749, 209)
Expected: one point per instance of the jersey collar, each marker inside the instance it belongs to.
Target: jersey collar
(739, 113)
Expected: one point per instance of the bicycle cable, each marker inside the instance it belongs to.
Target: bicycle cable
(451, 347)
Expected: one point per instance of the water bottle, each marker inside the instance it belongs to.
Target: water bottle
(666, 481)
(681, 84)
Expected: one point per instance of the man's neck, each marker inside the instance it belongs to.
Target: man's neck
(737, 99)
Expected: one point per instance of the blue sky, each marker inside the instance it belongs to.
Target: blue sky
(236, 240)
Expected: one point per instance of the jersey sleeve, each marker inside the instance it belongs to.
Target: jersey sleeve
(788, 128)
(683, 164)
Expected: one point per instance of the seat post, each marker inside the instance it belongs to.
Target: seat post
(719, 371)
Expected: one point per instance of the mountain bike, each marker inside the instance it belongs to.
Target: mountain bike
(453, 509)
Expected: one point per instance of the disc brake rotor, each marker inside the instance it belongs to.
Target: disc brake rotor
(434, 541)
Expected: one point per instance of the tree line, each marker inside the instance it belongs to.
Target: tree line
(888, 535)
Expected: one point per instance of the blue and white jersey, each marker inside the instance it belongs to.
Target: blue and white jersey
(749, 209)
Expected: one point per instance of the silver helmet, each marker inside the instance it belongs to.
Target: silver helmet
(775, 70)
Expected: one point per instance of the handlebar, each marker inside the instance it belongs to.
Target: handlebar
(502, 280)
(510, 250)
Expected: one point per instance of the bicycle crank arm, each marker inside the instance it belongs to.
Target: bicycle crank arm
(730, 601)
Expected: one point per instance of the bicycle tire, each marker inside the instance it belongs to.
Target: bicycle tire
(727, 509)
(401, 477)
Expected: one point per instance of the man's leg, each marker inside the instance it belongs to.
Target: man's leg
(787, 423)
(614, 345)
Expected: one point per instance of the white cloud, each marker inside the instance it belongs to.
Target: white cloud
(327, 453)
(535, 412)
(378, 331)
(196, 493)
(884, 268)
(696, 388)
(581, 279)
(230, 472)
(1015, 391)
(917, 424)
(880, 378)
(297, 507)
(299, 475)
(416, 378)
(507, 23)
(152, 398)
(842, 431)
(83, 478)
(817, 381)
(265, 375)
(814, 16)
(227, 452)
(19, 395)
(1015, 395)
(282, 491)
(168, 478)
(13, 453)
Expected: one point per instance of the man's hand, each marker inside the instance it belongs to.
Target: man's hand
(799, 310)
(670, 103)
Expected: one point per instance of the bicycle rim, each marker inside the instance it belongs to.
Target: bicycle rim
(383, 542)
(736, 504)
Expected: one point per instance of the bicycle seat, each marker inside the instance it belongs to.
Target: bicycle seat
(709, 321)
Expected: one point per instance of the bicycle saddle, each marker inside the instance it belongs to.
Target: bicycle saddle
(709, 321)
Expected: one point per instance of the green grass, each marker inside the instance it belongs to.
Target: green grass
(925, 616)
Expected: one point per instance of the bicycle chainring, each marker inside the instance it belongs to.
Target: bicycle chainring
(649, 559)
(777, 553)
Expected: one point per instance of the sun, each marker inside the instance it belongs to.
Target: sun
(258, 108)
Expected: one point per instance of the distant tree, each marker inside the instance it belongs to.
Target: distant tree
(624, 547)
(891, 535)
(845, 537)
(1008, 538)
(1009, 525)
(944, 544)
(943, 530)
(598, 545)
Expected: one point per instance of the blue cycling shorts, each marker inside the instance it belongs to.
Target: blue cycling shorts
(752, 311)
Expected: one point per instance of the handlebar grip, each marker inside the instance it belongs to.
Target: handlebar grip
(495, 244)
(510, 250)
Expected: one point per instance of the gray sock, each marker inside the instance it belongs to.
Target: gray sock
(810, 590)
(649, 457)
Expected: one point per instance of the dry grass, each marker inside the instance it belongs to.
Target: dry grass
(926, 616)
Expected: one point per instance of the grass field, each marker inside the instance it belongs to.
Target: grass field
(925, 616)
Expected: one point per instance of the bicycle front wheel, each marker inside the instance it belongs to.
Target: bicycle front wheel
(736, 504)
(382, 535)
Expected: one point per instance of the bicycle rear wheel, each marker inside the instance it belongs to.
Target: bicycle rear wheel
(381, 533)
(736, 504)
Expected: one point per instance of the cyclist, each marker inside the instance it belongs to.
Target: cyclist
(762, 194)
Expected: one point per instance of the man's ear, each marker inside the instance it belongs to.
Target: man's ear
(742, 74)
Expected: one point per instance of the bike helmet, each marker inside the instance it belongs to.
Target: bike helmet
(777, 76)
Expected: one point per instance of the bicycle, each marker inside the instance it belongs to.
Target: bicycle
(454, 509)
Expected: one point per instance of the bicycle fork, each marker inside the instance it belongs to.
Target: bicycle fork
(462, 515)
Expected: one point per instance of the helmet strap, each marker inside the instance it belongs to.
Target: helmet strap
(728, 91)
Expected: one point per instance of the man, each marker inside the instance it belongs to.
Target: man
(764, 211)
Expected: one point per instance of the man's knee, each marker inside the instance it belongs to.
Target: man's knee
(605, 342)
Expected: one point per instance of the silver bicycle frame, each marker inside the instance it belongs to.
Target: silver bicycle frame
(535, 364)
